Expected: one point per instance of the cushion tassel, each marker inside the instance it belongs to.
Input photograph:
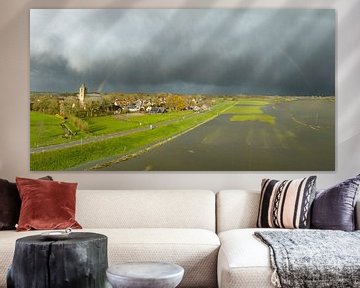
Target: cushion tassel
(275, 280)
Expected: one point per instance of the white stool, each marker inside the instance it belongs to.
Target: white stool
(145, 275)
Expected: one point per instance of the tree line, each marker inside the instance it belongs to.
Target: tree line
(109, 103)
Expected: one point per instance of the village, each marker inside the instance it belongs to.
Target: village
(91, 104)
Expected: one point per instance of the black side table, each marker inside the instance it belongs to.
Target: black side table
(78, 261)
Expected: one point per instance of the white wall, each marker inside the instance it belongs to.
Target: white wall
(14, 95)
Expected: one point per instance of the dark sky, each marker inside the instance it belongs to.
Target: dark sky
(208, 51)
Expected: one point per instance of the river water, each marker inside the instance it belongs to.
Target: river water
(301, 139)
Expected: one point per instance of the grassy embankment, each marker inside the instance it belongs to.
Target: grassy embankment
(46, 130)
(69, 157)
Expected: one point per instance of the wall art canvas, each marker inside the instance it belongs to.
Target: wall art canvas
(182, 89)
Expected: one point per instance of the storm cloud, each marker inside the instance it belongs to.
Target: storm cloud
(210, 51)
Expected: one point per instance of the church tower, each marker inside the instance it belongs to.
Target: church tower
(82, 94)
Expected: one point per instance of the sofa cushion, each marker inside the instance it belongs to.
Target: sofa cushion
(334, 208)
(46, 204)
(153, 209)
(244, 261)
(286, 204)
(194, 249)
(236, 209)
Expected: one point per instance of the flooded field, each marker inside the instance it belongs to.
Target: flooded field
(296, 135)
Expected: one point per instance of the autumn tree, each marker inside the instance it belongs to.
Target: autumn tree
(176, 102)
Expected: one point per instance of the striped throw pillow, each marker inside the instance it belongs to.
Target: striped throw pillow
(286, 204)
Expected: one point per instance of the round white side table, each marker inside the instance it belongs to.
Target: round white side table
(145, 275)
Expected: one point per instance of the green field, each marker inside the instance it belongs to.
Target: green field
(112, 124)
(46, 130)
(261, 117)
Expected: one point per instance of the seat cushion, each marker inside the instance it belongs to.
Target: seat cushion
(196, 250)
(244, 261)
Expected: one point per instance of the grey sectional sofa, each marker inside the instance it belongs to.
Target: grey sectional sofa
(210, 235)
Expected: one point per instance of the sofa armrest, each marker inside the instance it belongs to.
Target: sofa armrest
(357, 215)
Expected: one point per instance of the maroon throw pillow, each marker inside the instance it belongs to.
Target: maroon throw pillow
(10, 204)
(46, 204)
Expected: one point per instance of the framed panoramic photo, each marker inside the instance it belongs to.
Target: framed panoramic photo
(182, 89)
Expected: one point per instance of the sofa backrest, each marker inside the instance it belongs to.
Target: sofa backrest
(236, 209)
(146, 209)
(239, 209)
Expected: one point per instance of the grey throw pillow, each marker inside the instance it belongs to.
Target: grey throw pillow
(334, 208)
